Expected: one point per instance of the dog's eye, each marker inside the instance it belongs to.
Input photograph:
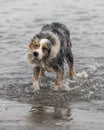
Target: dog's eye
(44, 49)
(35, 46)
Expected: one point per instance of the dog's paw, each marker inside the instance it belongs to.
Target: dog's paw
(57, 88)
(74, 77)
(36, 86)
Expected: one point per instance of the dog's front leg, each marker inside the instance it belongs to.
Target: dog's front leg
(35, 78)
(42, 72)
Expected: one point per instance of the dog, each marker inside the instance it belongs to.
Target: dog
(48, 50)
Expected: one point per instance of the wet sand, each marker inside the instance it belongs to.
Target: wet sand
(78, 116)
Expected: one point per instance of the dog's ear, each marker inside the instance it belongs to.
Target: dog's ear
(37, 36)
(31, 43)
(32, 40)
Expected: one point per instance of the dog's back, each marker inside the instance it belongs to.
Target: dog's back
(60, 30)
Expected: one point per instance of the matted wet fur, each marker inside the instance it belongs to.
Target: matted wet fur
(48, 50)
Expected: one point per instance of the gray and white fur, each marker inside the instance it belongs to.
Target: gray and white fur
(57, 38)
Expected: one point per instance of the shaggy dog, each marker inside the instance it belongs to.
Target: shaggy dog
(48, 50)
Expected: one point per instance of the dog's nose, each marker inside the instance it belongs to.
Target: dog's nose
(35, 53)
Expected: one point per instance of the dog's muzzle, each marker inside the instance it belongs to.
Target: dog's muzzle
(35, 54)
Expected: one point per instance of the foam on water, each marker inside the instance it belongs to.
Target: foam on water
(92, 69)
(82, 75)
(85, 74)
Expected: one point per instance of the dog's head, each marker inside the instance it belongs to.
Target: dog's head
(39, 50)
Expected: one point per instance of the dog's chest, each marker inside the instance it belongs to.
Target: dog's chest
(47, 67)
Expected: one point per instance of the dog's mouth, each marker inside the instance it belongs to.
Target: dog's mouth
(36, 60)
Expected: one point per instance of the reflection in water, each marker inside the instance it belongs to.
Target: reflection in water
(37, 113)
(50, 108)
(45, 114)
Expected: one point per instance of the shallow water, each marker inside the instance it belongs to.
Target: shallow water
(20, 20)
(77, 116)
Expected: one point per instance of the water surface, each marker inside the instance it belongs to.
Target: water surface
(20, 20)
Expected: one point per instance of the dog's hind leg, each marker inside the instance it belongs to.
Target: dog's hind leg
(70, 61)
(58, 79)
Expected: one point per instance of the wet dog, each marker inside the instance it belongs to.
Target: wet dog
(48, 50)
